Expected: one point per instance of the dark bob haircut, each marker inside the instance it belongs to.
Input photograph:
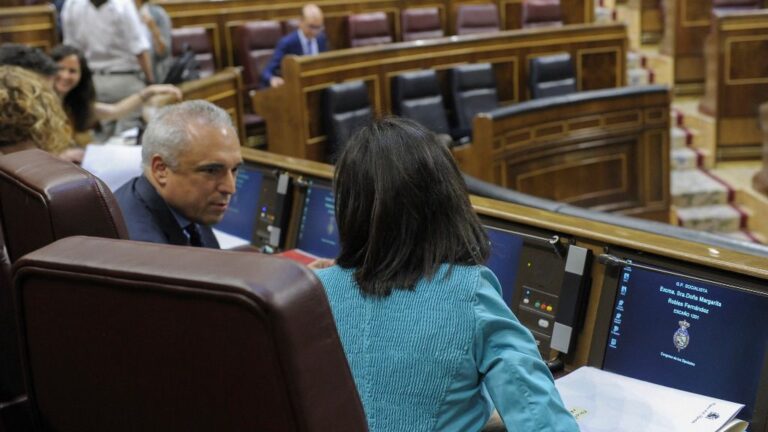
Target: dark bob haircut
(402, 208)
(80, 101)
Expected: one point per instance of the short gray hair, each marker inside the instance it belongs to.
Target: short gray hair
(167, 133)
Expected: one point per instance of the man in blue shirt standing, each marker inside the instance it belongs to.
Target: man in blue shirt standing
(309, 39)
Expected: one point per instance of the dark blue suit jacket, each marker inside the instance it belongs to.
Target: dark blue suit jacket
(289, 44)
(149, 218)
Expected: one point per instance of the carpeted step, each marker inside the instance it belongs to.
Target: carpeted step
(714, 218)
(638, 77)
(634, 60)
(684, 159)
(744, 235)
(690, 188)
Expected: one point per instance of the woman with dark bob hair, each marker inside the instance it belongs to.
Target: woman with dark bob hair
(422, 321)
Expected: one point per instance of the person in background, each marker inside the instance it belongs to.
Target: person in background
(32, 59)
(74, 85)
(309, 39)
(113, 39)
(421, 320)
(158, 25)
(30, 113)
(190, 155)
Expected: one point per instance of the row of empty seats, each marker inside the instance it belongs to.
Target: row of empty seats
(418, 95)
(254, 41)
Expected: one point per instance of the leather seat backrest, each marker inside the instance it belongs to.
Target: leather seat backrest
(417, 96)
(291, 25)
(197, 39)
(477, 18)
(11, 379)
(542, 13)
(131, 336)
(551, 75)
(43, 199)
(369, 29)
(255, 42)
(347, 109)
(473, 91)
(421, 23)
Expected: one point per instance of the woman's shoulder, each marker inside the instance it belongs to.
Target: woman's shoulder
(334, 273)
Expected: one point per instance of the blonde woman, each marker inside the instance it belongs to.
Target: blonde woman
(31, 115)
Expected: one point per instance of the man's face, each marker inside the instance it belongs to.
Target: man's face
(202, 183)
(312, 25)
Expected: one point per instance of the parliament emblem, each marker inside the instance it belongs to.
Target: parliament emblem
(681, 337)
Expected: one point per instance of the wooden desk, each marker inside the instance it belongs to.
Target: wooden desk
(760, 180)
(292, 112)
(737, 82)
(222, 17)
(593, 235)
(223, 89)
(686, 24)
(29, 25)
(607, 150)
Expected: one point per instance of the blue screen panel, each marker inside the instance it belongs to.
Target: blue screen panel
(504, 259)
(690, 335)
(240, 218)
(318, 234)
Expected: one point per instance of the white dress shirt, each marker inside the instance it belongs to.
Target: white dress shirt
(308, 45)
(111, 36)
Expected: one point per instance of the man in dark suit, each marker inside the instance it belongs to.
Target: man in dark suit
(190, 156)
(309, 39)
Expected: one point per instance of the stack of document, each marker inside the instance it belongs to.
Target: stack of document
(603, 401)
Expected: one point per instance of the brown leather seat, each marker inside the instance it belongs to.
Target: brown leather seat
(421, 23)
(129, 336)
(477, 18)
(255, 42)
(542, 13)
(291, 25)
(369, 29)
(43, 199)
(197, 39)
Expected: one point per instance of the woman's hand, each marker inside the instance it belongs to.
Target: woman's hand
(321, 263)
(160, 89)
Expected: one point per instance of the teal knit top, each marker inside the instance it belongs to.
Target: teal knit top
(422, 358)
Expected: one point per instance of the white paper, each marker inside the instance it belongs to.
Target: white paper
(113, 164)
(228, 241)
(603, 401)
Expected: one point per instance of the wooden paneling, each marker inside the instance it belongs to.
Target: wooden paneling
(760, 180)
(605, 153)
(685, 28)
(644, 19)
(224, 89)
(30, 25)
(737, 82)
(222, 16)
(651, 22)
(292, 111)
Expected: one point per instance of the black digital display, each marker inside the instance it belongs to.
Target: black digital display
(692, 335)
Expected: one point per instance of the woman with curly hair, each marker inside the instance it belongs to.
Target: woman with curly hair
(30, 114)
(74, 84)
